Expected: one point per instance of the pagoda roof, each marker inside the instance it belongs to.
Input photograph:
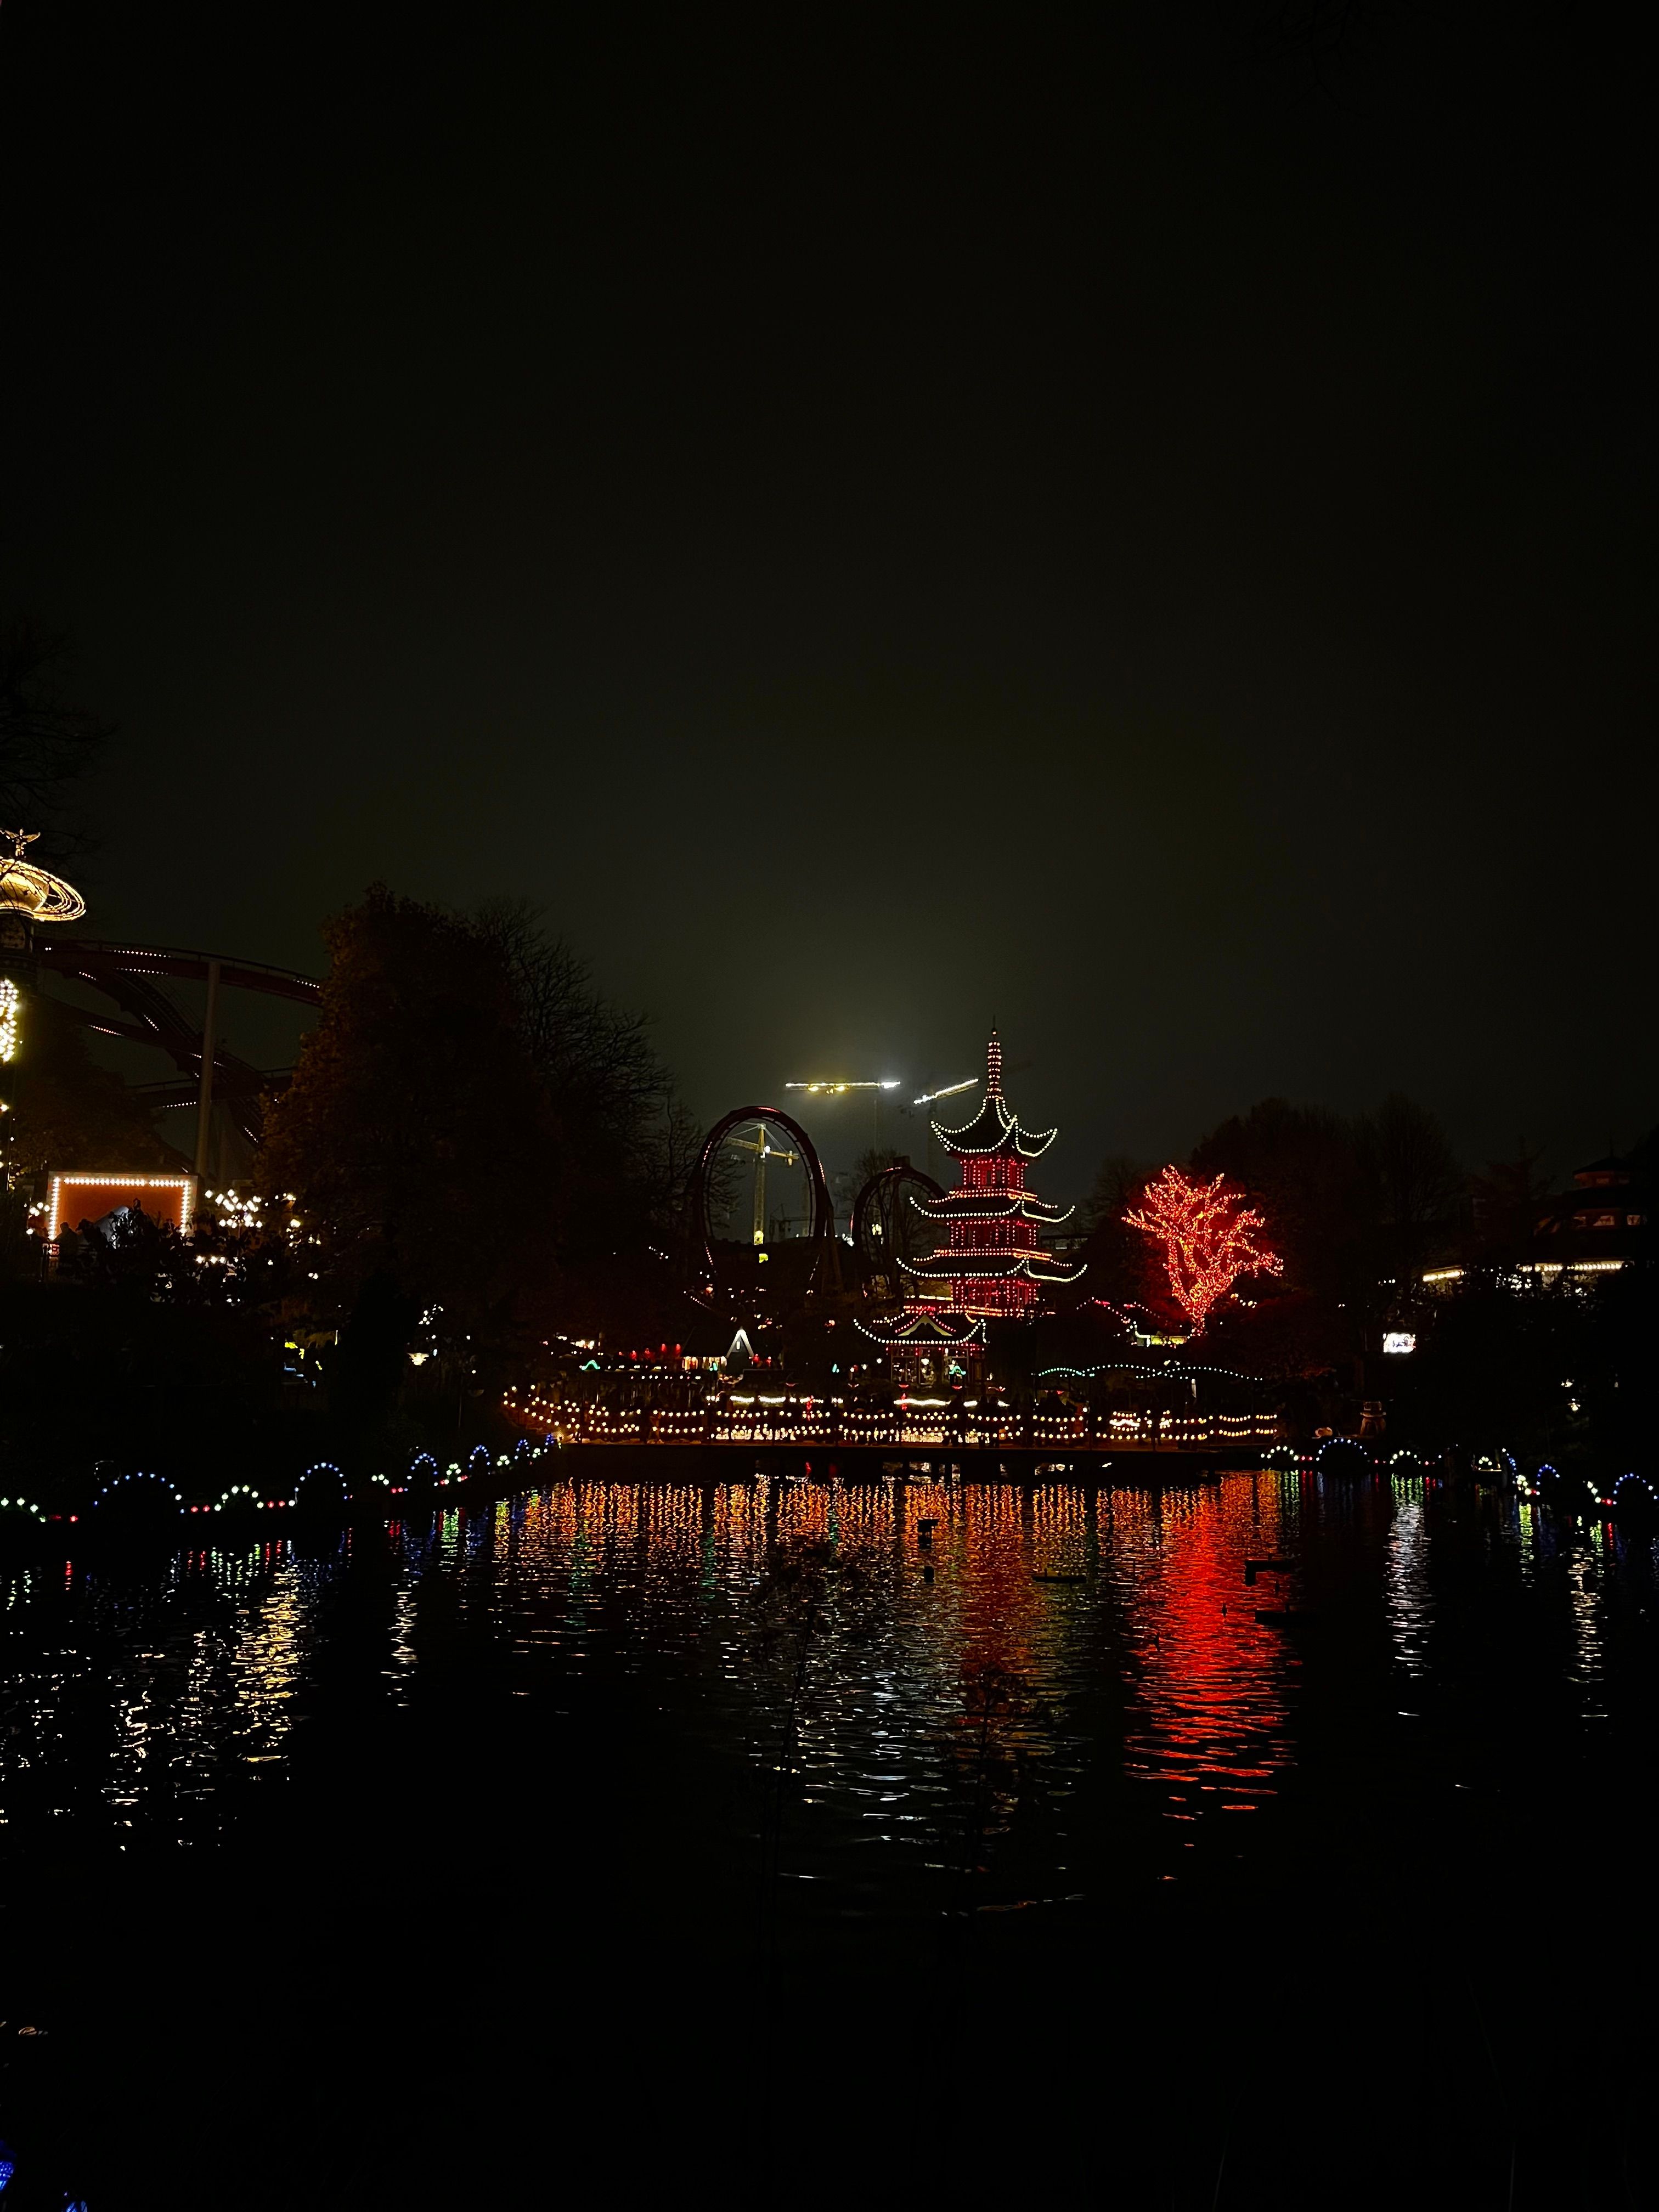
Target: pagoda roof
(922, 1325)
(989, 1266)
(995, 1129)
(991, 1206)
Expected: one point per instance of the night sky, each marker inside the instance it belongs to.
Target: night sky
(1139, 530)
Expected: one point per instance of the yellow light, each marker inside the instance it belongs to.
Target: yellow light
(25, 889)
(887, 1082)
(10, 1018)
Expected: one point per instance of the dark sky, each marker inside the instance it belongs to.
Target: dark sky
(880, 521)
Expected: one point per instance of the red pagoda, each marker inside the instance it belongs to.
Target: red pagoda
(991, 1266)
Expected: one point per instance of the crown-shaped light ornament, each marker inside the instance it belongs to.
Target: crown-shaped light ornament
(26, 890)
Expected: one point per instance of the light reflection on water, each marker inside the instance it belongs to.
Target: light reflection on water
(1411, 1611)
(1082, 1632)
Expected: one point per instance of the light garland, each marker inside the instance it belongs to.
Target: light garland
(1030, 1144)
(240, 1498)
(1023, 1203)
(137, 1474)
(11, 1016)
(326, 1467)
(759, 1417)
(944, 1327)
(1170, 1372)
(984, 1264)
(1205, 1232)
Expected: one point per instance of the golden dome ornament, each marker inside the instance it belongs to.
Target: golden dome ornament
(30, 891)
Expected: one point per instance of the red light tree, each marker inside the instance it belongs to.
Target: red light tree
(1208, 1236)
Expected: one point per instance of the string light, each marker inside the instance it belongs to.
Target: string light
(1205, 1232)
(1170, 1372)
(241, 1498)
(184, 1185)
(11, 1007)
(954, 1422)
(325, 1468)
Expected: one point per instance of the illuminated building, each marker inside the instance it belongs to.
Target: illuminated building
(991, 1265)
(1601, 1224)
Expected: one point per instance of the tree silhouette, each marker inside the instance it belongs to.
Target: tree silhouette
(46, 743)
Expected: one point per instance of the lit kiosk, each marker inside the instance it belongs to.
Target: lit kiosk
(991, 1266)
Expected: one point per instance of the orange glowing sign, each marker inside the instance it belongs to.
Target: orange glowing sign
(78, 1198)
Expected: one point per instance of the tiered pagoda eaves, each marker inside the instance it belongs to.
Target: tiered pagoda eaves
(991, 1265)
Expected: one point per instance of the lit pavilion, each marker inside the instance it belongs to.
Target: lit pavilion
(991, 1265)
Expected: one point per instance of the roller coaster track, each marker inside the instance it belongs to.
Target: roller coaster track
(131, 977)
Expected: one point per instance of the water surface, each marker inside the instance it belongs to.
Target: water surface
(672, 1818)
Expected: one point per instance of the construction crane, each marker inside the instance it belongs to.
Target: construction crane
(763, 1149)
(835, 1090)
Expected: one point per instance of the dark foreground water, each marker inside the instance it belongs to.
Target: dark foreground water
(629, 1842)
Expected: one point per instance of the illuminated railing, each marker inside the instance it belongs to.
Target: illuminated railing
(769, 1418)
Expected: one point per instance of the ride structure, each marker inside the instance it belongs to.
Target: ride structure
(991, 1266)
(884, 1221)
(134, 977)
(808, 1262)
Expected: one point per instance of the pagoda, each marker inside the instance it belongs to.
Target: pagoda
(990, 1266)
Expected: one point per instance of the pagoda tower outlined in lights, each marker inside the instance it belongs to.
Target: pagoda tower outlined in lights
(991, 1266)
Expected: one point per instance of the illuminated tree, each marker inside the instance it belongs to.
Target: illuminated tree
(1208, 1236)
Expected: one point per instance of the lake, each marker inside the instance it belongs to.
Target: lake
(756, 1839)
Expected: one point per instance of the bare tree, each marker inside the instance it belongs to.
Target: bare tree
(45, 743)
(595, 1059)
(1415, 1176)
